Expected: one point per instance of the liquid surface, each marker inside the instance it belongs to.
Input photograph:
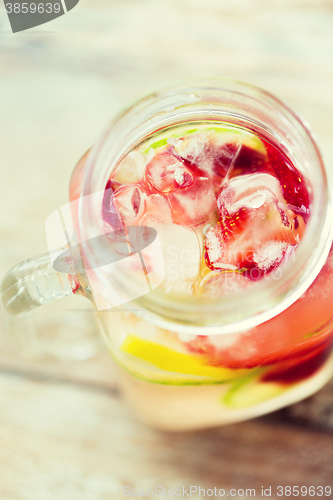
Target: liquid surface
(229, 206)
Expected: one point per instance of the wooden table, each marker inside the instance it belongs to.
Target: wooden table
(65, 433)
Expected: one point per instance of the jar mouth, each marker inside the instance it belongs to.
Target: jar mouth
(230, 101)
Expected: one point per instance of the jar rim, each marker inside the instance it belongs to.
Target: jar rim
(154, 111)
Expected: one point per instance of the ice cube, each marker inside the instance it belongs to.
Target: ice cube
(131, 169)
(191, 148)
(157, 210)
(222, 152)
(166, 173)
(195, 204)
(181, 257)
(250, 191)
(256, 228)
(270, 254)
(210, 151)
(209, 155)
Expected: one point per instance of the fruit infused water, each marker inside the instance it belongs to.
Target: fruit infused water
(229, 208)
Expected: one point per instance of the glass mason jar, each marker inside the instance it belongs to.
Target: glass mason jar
(277, 338)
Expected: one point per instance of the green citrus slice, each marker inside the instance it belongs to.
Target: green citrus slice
(250, 392)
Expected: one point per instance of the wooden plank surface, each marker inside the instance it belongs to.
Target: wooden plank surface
(65, 432)
(59, 440)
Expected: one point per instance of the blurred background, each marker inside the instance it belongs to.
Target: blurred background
(64, 433)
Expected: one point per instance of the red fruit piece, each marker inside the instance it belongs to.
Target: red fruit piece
(299, 368)
(304, 328)
(219, 252)
(259, 242)
(166, 173)
(290, 363)
(249, 161)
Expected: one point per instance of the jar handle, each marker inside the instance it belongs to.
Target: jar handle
(31, 284)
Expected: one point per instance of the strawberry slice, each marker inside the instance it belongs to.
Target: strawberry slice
(255, 230)
(249, 161)
(303, 366)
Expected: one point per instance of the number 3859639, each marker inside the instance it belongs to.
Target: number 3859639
(32, 8)
(304, 491)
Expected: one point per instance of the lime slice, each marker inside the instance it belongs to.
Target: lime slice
(220, 133)
(161, 139)
(250, 392)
